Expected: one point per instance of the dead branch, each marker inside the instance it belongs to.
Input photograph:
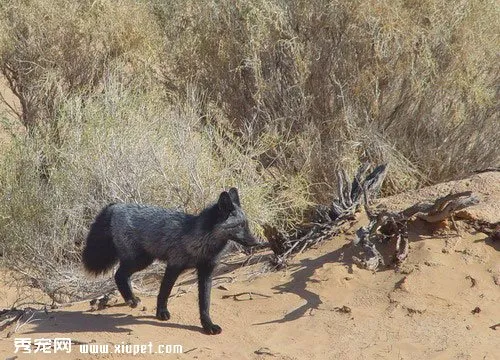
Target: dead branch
(353, 194)
(442, 208)
(343, 309)
(20, 317)
(265, 351)
(285, 246)
(393, 227)
(373, 259)
(329, 221)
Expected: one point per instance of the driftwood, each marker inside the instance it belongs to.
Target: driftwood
(328, 221)
(384, 226)
(388, 226)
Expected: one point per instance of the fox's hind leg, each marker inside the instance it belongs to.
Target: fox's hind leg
(122, 278)
(171, 275)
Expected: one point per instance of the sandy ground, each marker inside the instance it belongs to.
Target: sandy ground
(423, 312)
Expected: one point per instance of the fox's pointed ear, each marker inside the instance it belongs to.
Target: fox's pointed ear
(225, 203)
(233, 193)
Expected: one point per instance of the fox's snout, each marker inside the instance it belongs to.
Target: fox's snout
(253, 241)
(249, 240)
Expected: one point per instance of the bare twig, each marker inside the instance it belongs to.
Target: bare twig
(250, 294)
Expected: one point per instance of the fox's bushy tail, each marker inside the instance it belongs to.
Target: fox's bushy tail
(99, 254)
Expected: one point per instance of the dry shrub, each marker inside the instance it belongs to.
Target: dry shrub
(328, 84)
(339, 82)
(50, 50)
(169, 102)
(125, 145)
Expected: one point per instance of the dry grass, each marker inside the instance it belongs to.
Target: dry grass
(53, 49)
(108, 152)
(169, 102)
(335, 82)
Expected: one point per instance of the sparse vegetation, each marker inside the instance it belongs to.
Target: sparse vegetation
(168, 102)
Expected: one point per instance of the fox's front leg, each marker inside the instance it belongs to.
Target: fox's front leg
(204, 289)
(171, 275)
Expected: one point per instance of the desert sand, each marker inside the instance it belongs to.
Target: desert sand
(443, 304)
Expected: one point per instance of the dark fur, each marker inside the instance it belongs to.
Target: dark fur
(99, 254)
(135, 235)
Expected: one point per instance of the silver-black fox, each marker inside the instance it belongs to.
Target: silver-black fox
(135, 235)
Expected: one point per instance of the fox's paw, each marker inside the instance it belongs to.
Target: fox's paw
(212, 329)
(133, 302)
(162, 314)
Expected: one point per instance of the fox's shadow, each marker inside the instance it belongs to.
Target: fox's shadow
(298, 284)
(84, 321)
(307, 267)
(67, 322)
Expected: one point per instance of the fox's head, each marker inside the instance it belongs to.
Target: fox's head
(233, 221)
